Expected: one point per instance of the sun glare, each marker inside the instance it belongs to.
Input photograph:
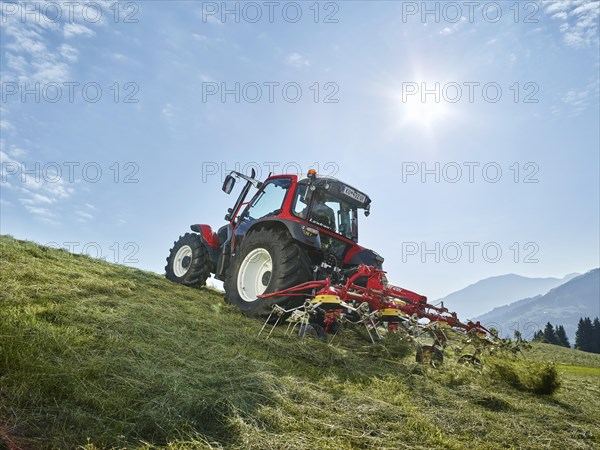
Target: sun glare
(424, 100)
(423, 112)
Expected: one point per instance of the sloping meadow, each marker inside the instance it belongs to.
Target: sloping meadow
(100, 355)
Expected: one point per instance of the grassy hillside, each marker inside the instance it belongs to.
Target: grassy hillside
(99, 355)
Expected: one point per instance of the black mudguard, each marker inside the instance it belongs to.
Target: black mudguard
(305, 234)
(368, 258)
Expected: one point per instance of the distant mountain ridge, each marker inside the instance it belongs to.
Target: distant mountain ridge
(563, 305)
(485, 295)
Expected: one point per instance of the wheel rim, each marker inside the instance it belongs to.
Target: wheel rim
(182, 261)
(254, 274)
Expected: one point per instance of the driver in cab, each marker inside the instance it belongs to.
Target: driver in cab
(321, 213)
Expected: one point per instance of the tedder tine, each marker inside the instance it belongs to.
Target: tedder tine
(265, 324)
(287, 330)
(279, 312)
(273, 327)
(373, 330)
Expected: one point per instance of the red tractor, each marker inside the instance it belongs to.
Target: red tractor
(291, 231)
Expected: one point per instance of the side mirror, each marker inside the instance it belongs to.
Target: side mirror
(228, 184)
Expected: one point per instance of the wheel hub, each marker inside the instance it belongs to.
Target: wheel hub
(182, 260)
(254, 274)
(266, 278)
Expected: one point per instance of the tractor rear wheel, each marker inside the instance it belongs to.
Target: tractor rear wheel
(188, 262)
(268, 260)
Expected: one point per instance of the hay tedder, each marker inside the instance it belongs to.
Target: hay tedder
(291, 254)
(379, 307)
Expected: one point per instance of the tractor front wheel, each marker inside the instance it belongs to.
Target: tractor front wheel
(268, 260)
(188, 262)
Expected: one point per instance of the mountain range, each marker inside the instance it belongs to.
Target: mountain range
(485, 295)
(562, 305)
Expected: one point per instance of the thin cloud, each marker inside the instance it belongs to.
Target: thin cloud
(207, 78)
(579, 20)
(167, 111)
(447, 31)
(49, 72)
(37, 189)
(75, 29)
(5, 159)
(27, 38)
(83, 216)
(6, 125)
(206, 39)
(119, 57)
(297, 60)
(213, 20)
(36, 52)
(68, 52)
(33, 51)
(39, 198)
(43, 215)
(579, 100)
(17, 152)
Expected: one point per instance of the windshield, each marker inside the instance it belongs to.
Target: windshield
(270, 199)
(326, 211)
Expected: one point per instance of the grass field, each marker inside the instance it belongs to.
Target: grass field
(98, 355)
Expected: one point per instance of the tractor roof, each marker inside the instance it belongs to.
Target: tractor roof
(341, 190)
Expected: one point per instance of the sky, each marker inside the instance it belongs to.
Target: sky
(473, 126)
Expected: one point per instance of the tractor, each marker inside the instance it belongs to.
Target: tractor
(290, 232)
(291, 253)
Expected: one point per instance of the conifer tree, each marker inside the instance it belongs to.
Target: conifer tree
(584, 337)
(596, 335)
(561, 335)
(550, 334)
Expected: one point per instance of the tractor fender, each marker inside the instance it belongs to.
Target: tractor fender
(299, 231)
(364, 256)
(208, 238)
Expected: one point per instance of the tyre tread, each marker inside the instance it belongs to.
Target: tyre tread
(199, 267)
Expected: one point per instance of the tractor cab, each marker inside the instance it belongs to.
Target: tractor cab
(319, 212)
(321, 201)
(330, 204)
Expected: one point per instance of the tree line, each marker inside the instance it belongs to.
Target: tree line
(587, 336)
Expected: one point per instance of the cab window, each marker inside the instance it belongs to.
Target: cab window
(270, 200)
(326, 211)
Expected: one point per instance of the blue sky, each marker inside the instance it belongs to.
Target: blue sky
(159, 132)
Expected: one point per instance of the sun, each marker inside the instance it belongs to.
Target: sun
(423, 111)
(423, 101)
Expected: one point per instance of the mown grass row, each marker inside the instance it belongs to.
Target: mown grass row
(99, 355)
